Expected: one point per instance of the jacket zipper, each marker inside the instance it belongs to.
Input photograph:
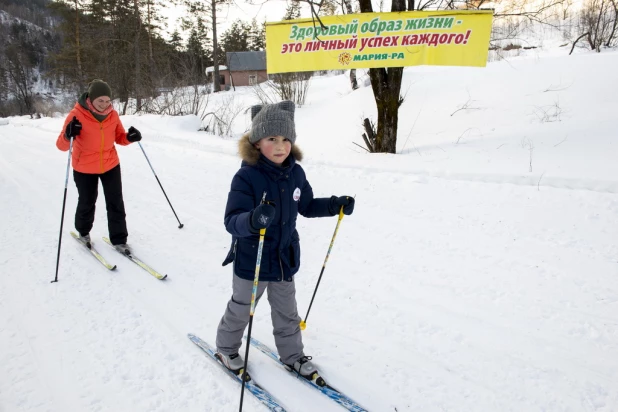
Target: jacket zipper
(279, 255)
(102, 145)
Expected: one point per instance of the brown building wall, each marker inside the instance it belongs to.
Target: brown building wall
(243, 78)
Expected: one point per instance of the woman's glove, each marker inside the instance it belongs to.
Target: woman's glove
(134, 135)
(74, 128)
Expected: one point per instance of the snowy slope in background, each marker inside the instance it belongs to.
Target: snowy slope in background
(462, 282)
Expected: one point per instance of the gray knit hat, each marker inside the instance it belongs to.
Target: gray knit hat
(98, 88)
(273, 120)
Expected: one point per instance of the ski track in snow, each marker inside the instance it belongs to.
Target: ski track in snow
(445, 291)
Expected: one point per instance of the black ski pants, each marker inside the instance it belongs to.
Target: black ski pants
(88, 188)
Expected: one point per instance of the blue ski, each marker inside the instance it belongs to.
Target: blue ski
(263, 396)
(327, 390)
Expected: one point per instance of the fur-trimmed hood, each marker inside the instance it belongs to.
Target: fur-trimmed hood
(251, 155)
(288, 188)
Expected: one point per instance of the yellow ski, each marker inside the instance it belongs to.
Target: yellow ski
(94, 252)
(138, 262)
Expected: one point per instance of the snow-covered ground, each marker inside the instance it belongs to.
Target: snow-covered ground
(479, 271)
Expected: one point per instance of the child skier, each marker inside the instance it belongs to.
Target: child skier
(269, 165)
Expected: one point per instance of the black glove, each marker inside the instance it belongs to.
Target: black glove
(134, 135)
(74, 128)
(262, 216)
(336, 202)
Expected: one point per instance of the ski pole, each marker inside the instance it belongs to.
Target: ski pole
(64, 202)
(303, 323)
(180, 225)
(252, 310)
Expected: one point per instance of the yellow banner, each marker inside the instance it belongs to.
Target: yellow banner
(352, 41)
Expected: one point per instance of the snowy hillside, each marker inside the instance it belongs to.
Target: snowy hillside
(479, 271)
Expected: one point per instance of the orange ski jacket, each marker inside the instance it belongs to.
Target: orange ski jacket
(94, 151)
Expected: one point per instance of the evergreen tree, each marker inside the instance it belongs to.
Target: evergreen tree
(329, 8)
(292, 11)
(237, 37)
(197, 51)
(117, 40)
(257, 36)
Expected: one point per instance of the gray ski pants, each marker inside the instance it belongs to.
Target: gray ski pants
(284, 314)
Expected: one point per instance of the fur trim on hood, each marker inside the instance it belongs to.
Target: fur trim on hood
(251, 155)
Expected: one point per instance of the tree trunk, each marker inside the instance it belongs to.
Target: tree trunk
(353, 81)
(386, 85)
(80, 73)
(215, 52)
(597, 36)
(106, 53)
(150, 53)
(20, 76)
(590, 41)
(138, 28)
(613, 30)
(575, 42)
(151, 62)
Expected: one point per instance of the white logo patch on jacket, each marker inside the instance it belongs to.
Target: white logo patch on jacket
(296, 195)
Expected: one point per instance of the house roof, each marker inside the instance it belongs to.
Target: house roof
(246, 61)
(211, 69)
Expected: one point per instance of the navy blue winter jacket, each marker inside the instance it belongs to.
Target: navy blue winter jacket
(287, 187)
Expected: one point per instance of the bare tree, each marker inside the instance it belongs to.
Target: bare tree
(138, 29)
(221, 120)
(291, 86)
(215, 48)
(80, 72)
(208, 8)
(150, 26)
(614, 29)
(541, 12)
(19, 72)
(353, 81)
(598, 21)
(386, 85)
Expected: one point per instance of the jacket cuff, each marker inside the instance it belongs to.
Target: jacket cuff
(332, 207)
(251, 228)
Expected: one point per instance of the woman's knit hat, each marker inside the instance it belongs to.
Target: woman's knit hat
(273, 120)
(98, 88)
